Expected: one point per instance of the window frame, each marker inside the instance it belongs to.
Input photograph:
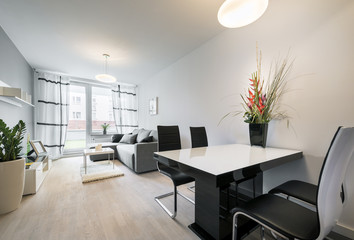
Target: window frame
(90, 134)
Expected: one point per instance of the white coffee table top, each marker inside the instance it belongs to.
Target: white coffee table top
(88, 152)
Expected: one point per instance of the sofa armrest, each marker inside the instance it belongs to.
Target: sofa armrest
(144, 157)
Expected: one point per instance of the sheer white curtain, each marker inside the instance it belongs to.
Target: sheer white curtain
(125, 108)
(51, 111)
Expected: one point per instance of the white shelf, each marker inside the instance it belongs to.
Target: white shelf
(35, 175)
(14, 101)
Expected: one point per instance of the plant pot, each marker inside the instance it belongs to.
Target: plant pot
(258, 134)
(12, 181)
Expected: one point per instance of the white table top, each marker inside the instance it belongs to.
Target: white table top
(94, 152)
(221, 159)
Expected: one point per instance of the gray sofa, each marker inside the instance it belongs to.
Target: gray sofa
(135, 150)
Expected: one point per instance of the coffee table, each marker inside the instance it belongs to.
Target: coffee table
(88, 152)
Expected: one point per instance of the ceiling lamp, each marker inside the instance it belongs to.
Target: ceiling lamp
(106, 78)
(239, 13)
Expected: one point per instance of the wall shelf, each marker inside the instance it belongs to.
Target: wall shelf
(15, 101)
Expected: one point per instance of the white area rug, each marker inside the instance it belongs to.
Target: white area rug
(98, 171)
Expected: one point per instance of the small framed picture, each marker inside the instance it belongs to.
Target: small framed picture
(153, 106)
(38, 147)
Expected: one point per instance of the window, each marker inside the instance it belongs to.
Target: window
(75, 100)
(76, 133)
(102, 109)
(91, 106)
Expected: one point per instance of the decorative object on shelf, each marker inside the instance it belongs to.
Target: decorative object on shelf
(105, 127)
(239, 13)
(14, 96)
(105, 77)
(261, 102)
(38, 147)
(153, 106)
(12, 167)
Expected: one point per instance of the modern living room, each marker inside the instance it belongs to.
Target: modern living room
(173, 64)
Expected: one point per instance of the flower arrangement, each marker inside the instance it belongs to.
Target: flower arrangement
(261, 102)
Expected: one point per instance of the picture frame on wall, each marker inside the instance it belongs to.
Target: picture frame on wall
(153, 106)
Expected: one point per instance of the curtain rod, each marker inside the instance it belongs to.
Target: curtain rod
(82, 80)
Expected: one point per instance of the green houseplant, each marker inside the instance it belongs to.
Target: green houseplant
(105, 127)
(262, 101)
(12, 166)
(11, 140)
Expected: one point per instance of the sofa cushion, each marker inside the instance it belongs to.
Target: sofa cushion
(142, 135)
(116, 138)
(135, 131)
(153, 133)
(147, 139)
(128, 138)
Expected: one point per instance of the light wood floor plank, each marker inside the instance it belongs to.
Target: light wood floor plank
(117, 208)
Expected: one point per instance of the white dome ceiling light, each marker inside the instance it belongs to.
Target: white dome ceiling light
(105, 77)
(239, 13)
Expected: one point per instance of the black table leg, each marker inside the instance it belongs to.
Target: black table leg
(212, 220)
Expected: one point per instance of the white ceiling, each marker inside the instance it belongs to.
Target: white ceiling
(142, 36)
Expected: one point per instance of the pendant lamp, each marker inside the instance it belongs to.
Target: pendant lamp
(106, 78)
(239, 13)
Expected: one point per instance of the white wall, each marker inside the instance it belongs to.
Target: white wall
(15, 72)
(204, 85)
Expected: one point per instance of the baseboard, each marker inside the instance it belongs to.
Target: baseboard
(344, 230)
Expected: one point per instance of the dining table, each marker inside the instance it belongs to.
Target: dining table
(214, 169)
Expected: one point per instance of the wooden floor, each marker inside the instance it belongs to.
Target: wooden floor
(117, 208)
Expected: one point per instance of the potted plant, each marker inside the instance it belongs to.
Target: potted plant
(105, 127)
(261, 102)
(12, 166)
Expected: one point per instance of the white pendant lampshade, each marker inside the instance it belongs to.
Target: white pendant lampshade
(104, 77)
(239, 13)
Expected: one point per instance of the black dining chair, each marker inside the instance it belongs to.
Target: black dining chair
(293, 221)
(304, 191)
(169, 139)
(199, 139)
(246, 174)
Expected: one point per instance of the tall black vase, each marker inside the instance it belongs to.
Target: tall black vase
(258, 134)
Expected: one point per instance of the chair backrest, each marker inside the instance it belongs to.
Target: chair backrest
(329, 196)
(168, 138)
(199, 137)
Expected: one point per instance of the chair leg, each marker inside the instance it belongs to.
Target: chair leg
(185, 197)
(157, 199)
(191, 188)
(234, 227)
(274, 235)
(236, 192)
(254, 187)
(227, 200)
(262, 233)
(234, 224)
(174, 193)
